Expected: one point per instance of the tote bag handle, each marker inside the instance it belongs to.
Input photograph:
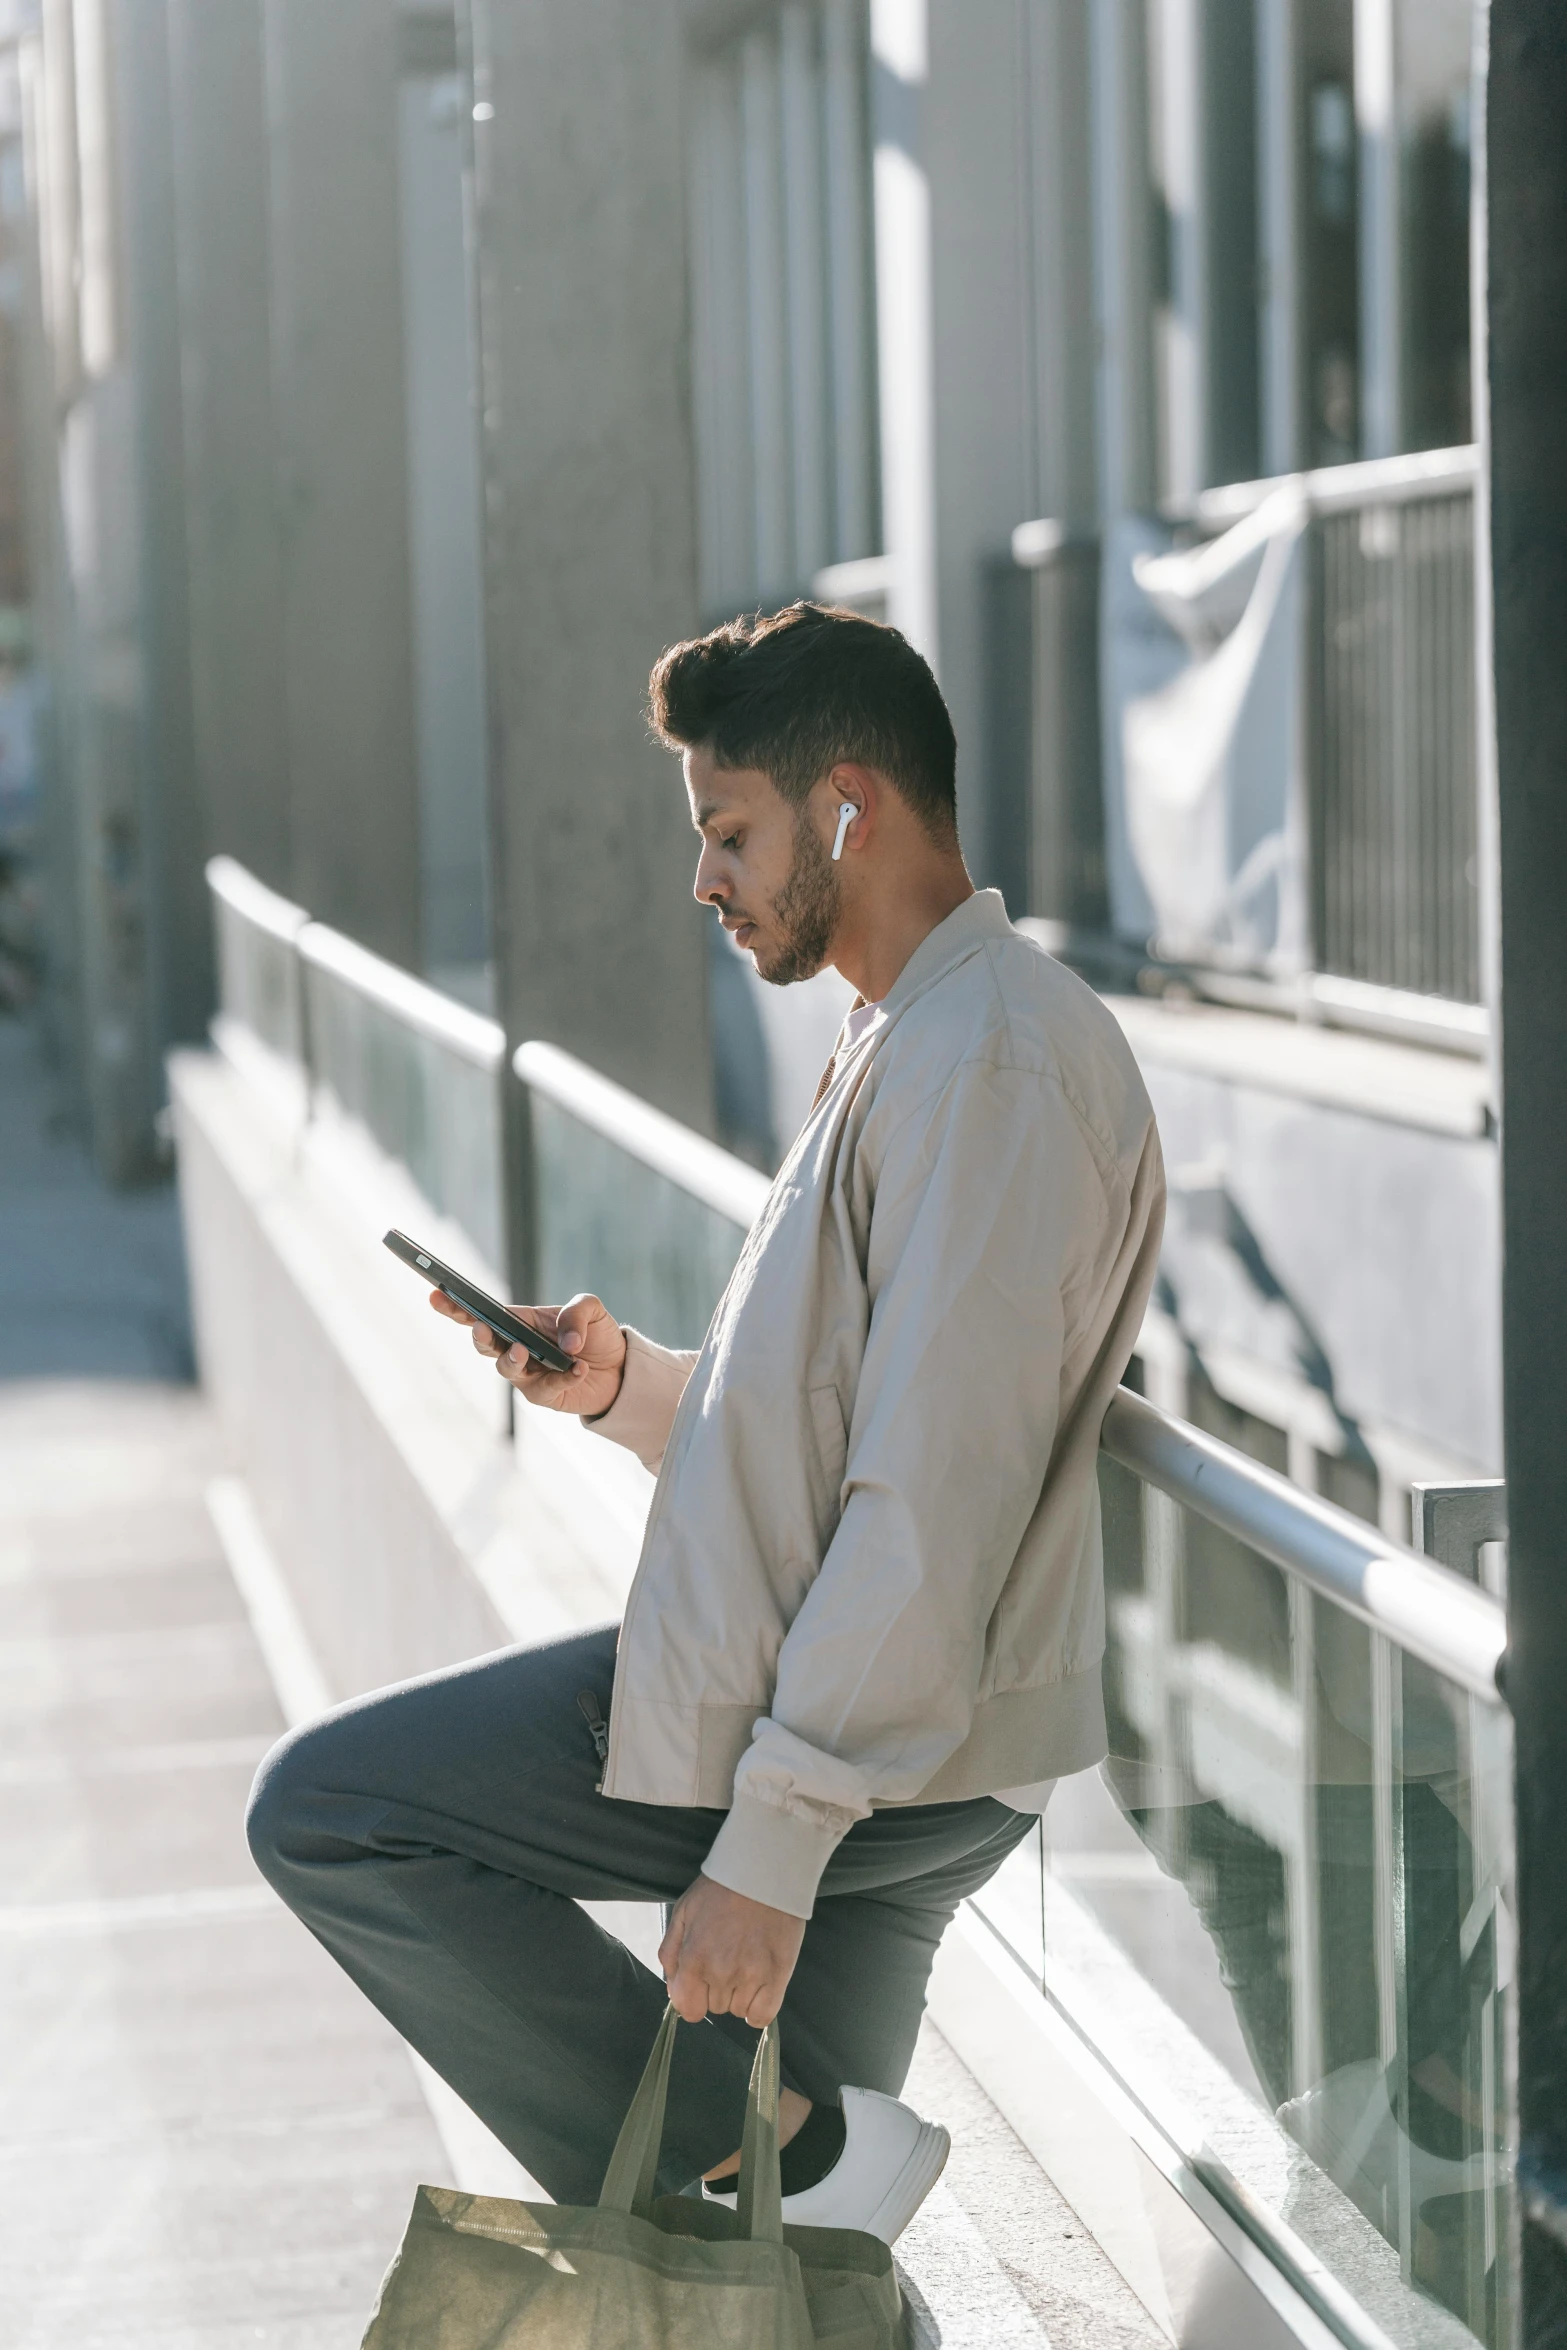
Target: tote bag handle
(633, 2167)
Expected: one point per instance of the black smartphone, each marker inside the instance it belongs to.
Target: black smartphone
(477, 1302)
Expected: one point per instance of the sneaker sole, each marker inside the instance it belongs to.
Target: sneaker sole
(912, 2184)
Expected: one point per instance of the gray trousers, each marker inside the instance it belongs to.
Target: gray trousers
(437, 1838)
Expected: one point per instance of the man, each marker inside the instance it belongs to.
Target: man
(865, 1634)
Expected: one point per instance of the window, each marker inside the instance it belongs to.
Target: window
(1329, 235)
(1433, 73)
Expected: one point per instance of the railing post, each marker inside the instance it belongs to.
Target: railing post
(520, 1193)
(1454, 1523)
(1526, 319)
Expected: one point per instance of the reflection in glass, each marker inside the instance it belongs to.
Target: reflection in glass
(1434, 75)
(423, 1103)
(1281, 1910)
(658, 1257)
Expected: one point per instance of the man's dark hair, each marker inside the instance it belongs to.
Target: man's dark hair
(794, 692)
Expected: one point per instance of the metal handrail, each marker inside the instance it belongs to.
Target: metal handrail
(413, 1001)
(1426, 1610)
(1323, 489)
(1341, 489)
(709, 1173)
(253, 901)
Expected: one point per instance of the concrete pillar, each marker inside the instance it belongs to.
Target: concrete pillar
(590, 553)
(900, 72)
(974, 129)
(233, 528)
(1124, 260)
(338, 352)
(1004, 142)
(1279, 200)
(1526, 302)
(1381, 288)
(1059, 161)
(125, 844)
(180, 932)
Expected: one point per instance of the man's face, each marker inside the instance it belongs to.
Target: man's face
(763, 867)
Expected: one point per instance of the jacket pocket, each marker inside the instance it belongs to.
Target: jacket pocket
(832, 1440)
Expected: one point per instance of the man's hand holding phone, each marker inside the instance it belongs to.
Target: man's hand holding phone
(584, 1329)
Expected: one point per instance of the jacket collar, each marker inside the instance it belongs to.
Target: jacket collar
(969, 926)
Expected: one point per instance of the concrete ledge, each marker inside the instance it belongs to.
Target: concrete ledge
(1373, 1076)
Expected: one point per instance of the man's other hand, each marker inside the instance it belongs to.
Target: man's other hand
(725, 1954)
(585, 1328)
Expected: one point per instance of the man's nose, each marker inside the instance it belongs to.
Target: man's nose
(710, 888)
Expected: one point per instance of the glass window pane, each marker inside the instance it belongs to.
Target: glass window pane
(1433, 73)
(1329, 231)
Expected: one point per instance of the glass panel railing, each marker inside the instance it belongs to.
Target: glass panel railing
(260, 1002)
(630, 1204)
(417, 1075)
(1280, 1914)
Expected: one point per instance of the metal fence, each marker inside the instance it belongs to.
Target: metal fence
(1392, 743)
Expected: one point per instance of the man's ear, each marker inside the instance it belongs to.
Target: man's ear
(851, 786)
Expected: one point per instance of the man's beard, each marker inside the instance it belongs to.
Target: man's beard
(805, 911)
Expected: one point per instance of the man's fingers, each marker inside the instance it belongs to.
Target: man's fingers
(688, 1993)
(688, 1997)
(576, 1321)
(750, 1998)
(762, 2006)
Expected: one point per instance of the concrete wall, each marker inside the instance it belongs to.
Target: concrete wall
(1344, 1235)
(589, 517)
(337, 344)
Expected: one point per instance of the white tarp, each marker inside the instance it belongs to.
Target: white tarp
(1205, 786)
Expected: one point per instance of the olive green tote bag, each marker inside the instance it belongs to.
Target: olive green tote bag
(476, 2272)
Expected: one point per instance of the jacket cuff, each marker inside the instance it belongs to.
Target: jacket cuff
(773, 1855)
(651, 1385)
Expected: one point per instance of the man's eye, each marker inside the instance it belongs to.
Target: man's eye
(730, 841)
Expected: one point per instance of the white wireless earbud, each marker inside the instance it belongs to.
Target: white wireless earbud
(847, 812)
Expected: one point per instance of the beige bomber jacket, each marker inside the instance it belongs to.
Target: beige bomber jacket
(872, 1571)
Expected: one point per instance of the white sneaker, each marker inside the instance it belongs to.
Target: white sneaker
(889, 2164)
